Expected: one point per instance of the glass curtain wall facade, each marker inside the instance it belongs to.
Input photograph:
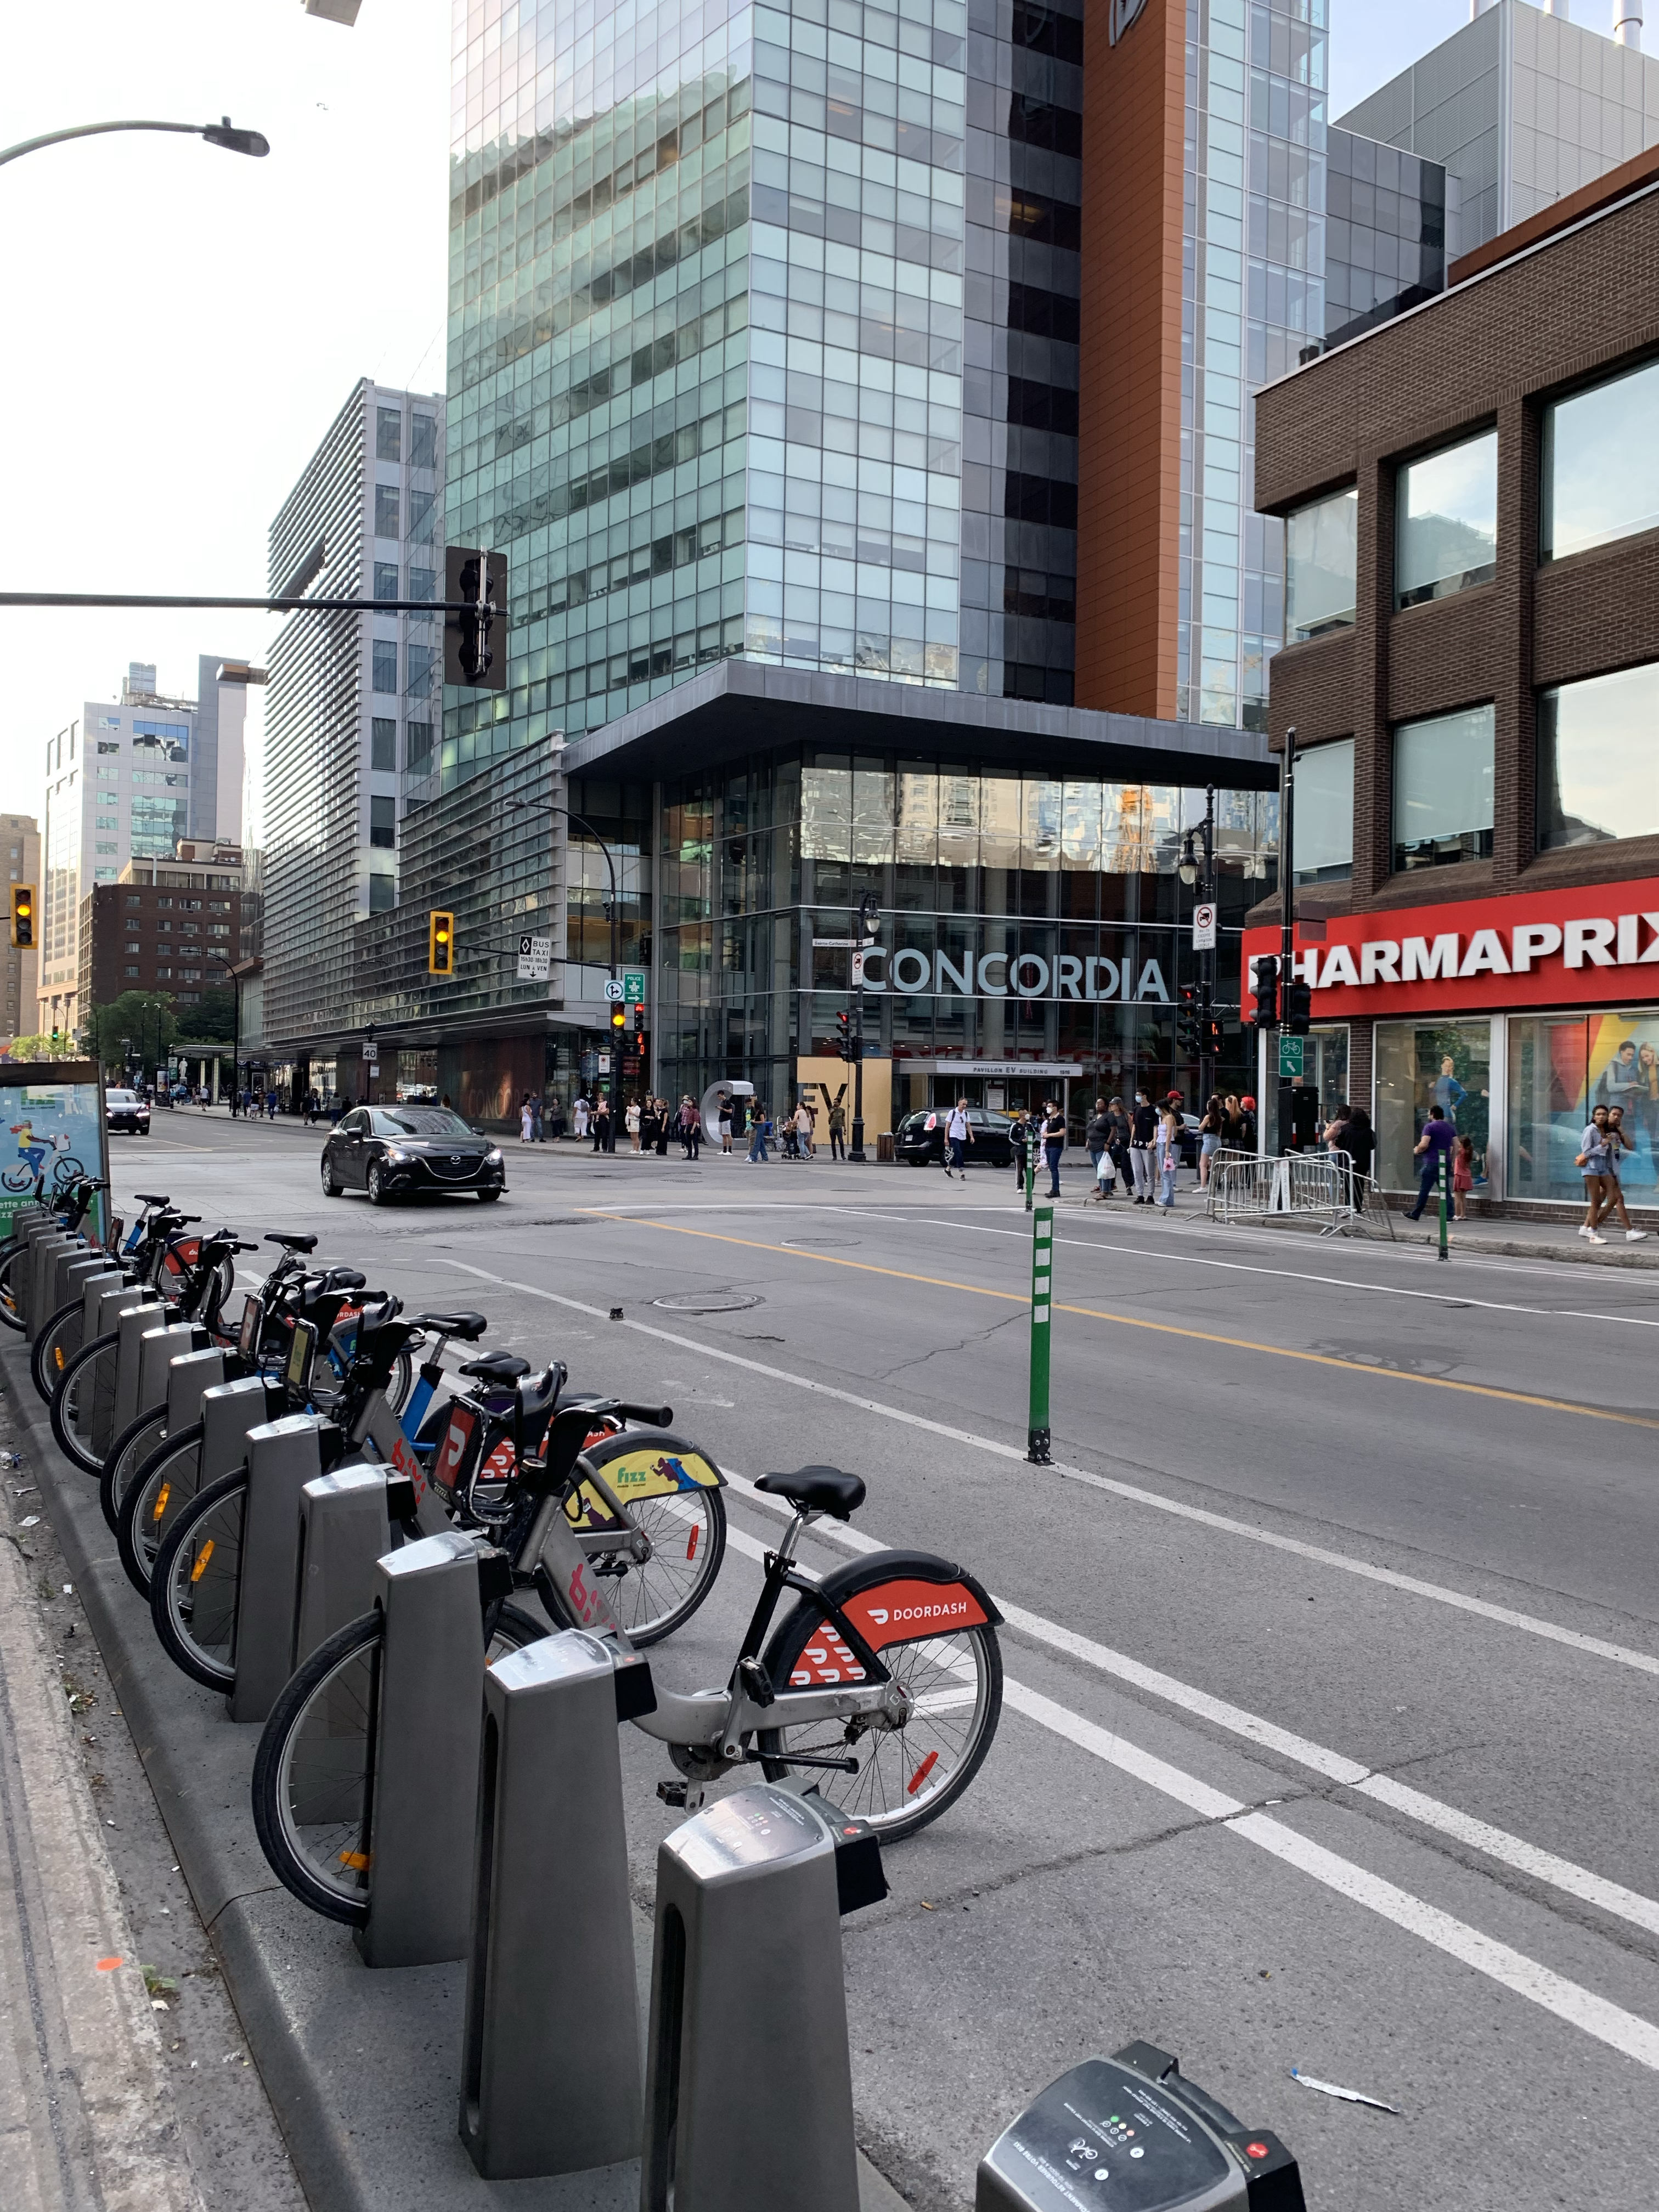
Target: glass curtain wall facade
(1252, 299)
(1023, 918)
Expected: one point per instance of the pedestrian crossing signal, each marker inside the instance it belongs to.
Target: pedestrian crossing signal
(441, 944)
(23, 917)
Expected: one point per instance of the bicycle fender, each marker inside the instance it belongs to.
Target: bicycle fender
(657, 1465)
(889, 1598)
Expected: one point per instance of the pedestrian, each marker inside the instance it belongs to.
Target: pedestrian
(526, 1122)
(1593, 1164)
(556, 1119)
(760, 1128)
(650, 1124)
(837, 1131)
(536, 1136)
(1439, 1135)
(690, 1128)
(1463, 1177)
(1143, 1137)
(1619, 1144)
(958, 1135)
(1210, 1131)
(1360, 1142)
(579, 1115)
(633, 1123)
(1168, 1151)
(1019, 1138)
(665, 1120)
(1054, 1143)
(1247, 1124)
(1232, 1116)
(805, 1118)
(601, 1124)
(270, 1103)
(723, 1122)
(1098, 1138)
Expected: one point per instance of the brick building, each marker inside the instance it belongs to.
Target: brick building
(159, 925)
(1470, 496)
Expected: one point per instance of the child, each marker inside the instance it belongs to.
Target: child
(1463, 1177)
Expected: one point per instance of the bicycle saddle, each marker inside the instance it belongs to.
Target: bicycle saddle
(295, 1243)
(819, 1489)
(152, 1197)
(338, 1279)
(497, 1367)
(469, 1326)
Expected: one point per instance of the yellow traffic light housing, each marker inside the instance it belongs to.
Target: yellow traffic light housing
(22, 916)
(441, 944)
(618, 1019)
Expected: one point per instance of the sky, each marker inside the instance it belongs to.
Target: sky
(185, 323)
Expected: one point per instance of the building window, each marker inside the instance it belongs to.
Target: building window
(385, 580)
(422, 661)
(189, 998)
(1562, 1067)
(1324, 813)
(132, 948)
(164, 975)
(422, 583)
(383, 822)
(386, 510)
(1320, 566)
(108, 849)
(388, 433)
(385, 664)
(1600, 464)
(384, 753)
(382, 894)
(134, 900)
(1596, 777)
(1420, 1066)
(1446, 521)
(129, 971)
(1442, 789)
(418, 758)
(108, 745)
(423, 442)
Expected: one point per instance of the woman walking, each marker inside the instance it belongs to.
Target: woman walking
(758, 1127)
(1593, 1164)
(578, 1116)
(1210, 1131)
(1620, 1147)
(1169, 1153)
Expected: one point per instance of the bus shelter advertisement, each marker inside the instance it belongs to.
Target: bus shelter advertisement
(51, 1130)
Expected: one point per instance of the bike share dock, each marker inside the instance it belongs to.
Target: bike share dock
(362, 2066)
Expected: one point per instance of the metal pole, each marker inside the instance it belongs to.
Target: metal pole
(1444, 1179)
(1286, 907)
(1042, 1241)
(867, 909)
(615, 913)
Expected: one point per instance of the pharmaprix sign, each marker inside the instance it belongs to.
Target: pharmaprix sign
(1538, 948)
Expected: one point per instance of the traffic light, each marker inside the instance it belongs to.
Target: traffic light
(638, 1028)
(440, 943)
(1298, 1007)
(1212, 1037)
(1264, 982)
(844, 1036)
(1187, 1020)
(22, 916)
(475, 642)
(618, 1023)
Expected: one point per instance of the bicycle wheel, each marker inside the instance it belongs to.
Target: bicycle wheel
(157, 1495)
(682, 1532)
(313, 1775)
(195, 1581)
(910, 1767)
(8, 1313)
(123, 1459)
(56, 1345)
(90, 1372)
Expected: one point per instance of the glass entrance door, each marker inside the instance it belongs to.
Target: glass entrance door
(1422, 1065)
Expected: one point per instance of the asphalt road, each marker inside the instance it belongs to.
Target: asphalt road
(1332, 1634)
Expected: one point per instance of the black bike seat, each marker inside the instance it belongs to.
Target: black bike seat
(819, 1489)
(497, 1367)
(152, 1197)
(294, 1243)
(341, 1279)
(469, 1326)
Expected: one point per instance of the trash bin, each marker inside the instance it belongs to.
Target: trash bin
(884, 1145)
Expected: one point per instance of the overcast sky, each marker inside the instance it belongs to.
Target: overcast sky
(183, 324)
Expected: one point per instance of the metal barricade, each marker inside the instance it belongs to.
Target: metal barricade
(1255, 1186)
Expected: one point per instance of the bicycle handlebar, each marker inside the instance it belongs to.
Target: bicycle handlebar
(650, 1417)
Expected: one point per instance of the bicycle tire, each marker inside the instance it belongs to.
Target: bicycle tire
(932, 1765)
(155, 1496)
(197, 1627)
(653, 1598)
(74, 1397)
(124, 1458)
(8, 1313)
(52, 1351)
(321, 1764)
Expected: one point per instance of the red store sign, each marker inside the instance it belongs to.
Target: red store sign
(1595, 946)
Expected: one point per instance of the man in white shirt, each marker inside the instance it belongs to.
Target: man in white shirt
(804, 1129)
(958, 1135)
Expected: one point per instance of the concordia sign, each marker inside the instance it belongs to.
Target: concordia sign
(1012, 976)
(1536, 949)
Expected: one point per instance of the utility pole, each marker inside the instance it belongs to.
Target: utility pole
(868, 924)
(1201, 872)
(1287, 918)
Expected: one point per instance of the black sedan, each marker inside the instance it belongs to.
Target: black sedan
(992, 1146)
(392, 1152)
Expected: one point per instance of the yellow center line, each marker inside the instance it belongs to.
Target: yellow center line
(1159, 1327)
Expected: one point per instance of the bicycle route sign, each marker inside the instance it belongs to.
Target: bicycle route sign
(614, 993)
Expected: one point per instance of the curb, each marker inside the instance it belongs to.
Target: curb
(362, 2068)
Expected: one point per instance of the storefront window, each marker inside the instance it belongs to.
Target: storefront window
(1324, 813)
(1320, 566)
(1446, 524)
(1596, 773)
(1561, 1067)
(1442, 789)
(1602, 464)
(1420, 1065)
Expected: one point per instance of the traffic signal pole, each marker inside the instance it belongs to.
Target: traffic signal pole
(1288, 917)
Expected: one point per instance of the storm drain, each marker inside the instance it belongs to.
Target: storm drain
(709, 1302)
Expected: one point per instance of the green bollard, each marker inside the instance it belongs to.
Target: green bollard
(1042, 1245)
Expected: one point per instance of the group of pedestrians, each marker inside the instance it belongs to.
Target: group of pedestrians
(1601, 1150)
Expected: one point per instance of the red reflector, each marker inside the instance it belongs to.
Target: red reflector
(921, 1774)
(1256, 2150)
(691, 1549)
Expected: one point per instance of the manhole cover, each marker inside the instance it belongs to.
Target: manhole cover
(709, 1302)
(813, 1243)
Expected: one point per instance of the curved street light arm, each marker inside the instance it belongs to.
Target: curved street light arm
(216, 134)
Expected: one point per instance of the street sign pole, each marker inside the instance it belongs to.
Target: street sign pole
(867, 909)
(1042, 1242)
(1444, 1179)
(1031, 1163)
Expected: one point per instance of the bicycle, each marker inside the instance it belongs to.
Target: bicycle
(76, 1204)
(877, 1734)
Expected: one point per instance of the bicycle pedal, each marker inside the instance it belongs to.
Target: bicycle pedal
(687, 1797)
(757, 1682)
(672, 1792)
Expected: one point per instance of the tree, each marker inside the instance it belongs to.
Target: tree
(145, 1018)
(42, 1046)
(213, 1021)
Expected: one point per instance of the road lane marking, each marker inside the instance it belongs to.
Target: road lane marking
(1496, 1843)
(1162, 1328)
(1623, 2032)
(1411, 1585)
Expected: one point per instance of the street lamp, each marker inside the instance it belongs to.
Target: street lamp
(223, 133)
(230, 966)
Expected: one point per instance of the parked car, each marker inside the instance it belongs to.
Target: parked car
(393, 1152)
(126, 1109)
(992, 1146)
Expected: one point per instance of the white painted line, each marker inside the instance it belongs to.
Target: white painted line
(1622, 2031)
(1527, 1858)
(1503, 1616)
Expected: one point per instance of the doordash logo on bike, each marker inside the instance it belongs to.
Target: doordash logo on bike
(906, 1612)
